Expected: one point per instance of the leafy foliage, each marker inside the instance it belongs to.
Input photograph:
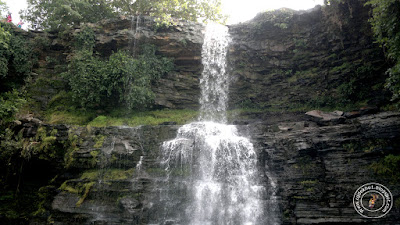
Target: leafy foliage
(385, 25)
(122, 79)
(357, 87)
(278, 18)
(165, 10)
(16, 58)
(388, 167)
(3, 8)
(61, 14)
(85, 39)
(17, 155)
(9, 105)
(4, 50)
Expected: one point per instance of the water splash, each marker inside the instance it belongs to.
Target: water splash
(223, 173)
(222, 182)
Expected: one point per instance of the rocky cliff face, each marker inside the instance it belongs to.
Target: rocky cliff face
(324, 57)
(113, 175)
(318, 167)
(182, 42)
(287, 59)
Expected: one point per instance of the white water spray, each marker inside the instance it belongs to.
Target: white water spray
(223, 184)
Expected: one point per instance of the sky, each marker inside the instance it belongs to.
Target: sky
(239, 10)
(14, 7)
(243, 10)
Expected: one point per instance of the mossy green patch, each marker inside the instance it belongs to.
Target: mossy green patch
(309, 185)
(308, 182)
(69, 188)
(397, 203)
(71, 145)
(86, 190)
(90, 175)
(99, 140)
(108, 175)
(94, 154)
(69, 117)
(78, 188)
(144, 118)
(388, 167)
(365, 145)
(103, 121)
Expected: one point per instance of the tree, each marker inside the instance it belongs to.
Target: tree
(60, 14)
(165, 10)
(386, 28)
(97, 83)
(4, 35)
(16, 58)
(56, 14)
(3, 8)
(4, 43)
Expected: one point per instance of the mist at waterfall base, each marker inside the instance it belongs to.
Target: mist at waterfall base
(219, 178)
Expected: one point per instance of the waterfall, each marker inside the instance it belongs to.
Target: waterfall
(220, 166)
(214, 81)
(135, 26)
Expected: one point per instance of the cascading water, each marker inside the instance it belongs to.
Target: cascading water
(222, 183)
(135, 26)
(214, 81)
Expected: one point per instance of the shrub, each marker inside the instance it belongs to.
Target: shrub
(122, 79)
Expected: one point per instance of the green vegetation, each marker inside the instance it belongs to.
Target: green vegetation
(108, 175)
(71, 145)
(63, 110)
(397, 203)
(62, 14)
(42, 144)
(88, 179)
(384, 21)
(10, 102)
(309, 185)
(354, 89)
(16, 58)
(307, 74)
(388, 167)
(305, 164)
(118, 117)
(83, 189)
(146, 118)
(122, 79)
(99, 140)
(366, 145)
(19, 183)
(3, 8)
(279, 18)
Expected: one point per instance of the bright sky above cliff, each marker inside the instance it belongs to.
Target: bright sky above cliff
(239, 10)
(14, 7)
(243, 10)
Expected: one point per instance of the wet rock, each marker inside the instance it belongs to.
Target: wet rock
(324, 118)
(303, 62)
(317, 171)
(129, 204)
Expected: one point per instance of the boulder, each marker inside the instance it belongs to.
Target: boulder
(325, 118)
